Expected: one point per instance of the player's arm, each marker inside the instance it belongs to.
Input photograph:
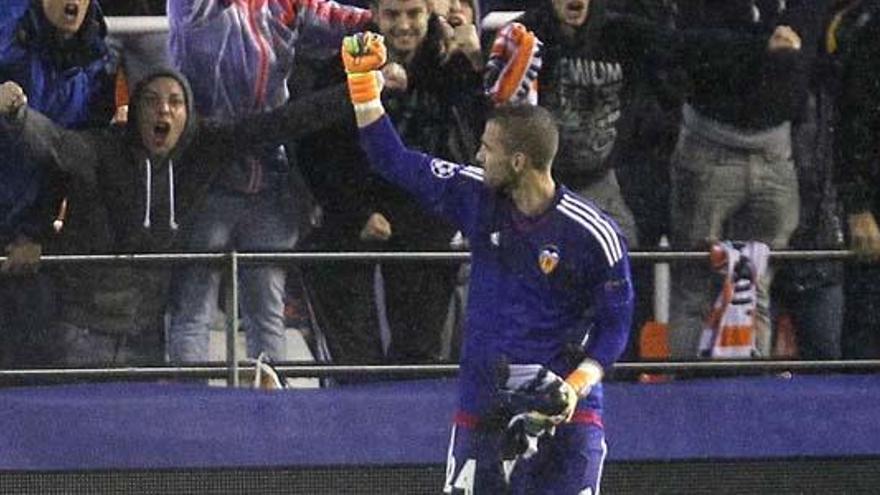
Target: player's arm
(443, 188)
(612, 298)
(363, 55)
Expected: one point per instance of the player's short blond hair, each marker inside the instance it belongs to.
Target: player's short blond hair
(528, 129)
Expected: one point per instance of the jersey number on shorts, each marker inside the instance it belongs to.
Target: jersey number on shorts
(464, 482)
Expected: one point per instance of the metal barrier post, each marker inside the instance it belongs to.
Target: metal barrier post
(232, 322)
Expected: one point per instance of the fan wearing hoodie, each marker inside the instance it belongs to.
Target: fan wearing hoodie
(238, 55)
(146, 177)
(56, 51)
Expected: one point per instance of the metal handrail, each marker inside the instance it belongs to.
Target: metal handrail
(452, 256)
(620, 371)
(232, 260)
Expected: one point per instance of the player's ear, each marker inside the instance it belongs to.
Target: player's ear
(519, 161)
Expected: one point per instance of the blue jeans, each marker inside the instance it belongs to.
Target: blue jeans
(227, 221)
(818, 317)
(861, 331)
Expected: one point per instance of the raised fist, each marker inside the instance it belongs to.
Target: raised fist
(784, 38)
(12, 98)
(460, 38)
(395, 76)
(377, 228)
(363, 52)
(514, 62)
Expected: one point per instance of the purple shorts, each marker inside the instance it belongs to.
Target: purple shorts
(569, 462)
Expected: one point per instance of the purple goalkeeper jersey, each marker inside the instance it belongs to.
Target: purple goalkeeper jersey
(541, 287)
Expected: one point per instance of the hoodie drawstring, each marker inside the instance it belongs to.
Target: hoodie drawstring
(148, 166)
(172, 224)
(149, 190)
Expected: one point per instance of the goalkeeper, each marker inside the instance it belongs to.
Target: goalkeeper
(550, 300)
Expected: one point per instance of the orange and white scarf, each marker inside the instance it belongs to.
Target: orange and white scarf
(729, 329)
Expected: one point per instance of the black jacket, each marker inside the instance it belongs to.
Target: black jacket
(852, 79)
(585, 80)
(735, 80)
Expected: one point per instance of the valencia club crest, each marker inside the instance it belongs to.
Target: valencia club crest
(548, 259)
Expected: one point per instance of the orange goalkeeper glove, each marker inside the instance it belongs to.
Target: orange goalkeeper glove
(363, 54)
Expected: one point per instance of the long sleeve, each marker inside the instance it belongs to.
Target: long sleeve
(72, 96)
(613, 302)
(322, 24)
(189, 12)
(297, 118)
(735, 79)
(10, 50)
(858, 139)
(48, 144)
(238, 55)
(447, 189)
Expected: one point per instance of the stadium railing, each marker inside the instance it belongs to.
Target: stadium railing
(231, 369)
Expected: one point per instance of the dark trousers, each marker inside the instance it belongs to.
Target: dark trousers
(861, 331)
(417, 303)
(27, 307)
(342, 298)
(817, 314)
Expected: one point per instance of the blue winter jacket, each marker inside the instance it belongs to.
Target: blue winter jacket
(69, 81)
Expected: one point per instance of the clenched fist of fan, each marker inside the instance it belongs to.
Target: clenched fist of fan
(514, 63)
(12, 98)
(363, 54)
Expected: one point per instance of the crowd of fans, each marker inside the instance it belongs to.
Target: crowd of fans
(700, 120)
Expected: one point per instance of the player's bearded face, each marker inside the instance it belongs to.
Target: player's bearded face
(404, 24)
(496, 160)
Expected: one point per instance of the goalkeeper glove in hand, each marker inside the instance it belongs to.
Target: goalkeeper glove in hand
(363, 54)
(520, 438)
(576, 385)
(535, 389)
(582, 379)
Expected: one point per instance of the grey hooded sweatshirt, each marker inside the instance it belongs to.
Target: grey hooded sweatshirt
(123, 202)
